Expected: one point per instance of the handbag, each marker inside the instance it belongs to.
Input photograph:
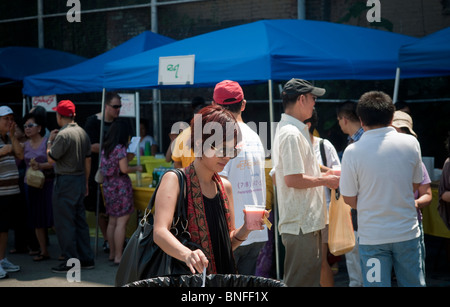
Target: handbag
(98, 177)
(142, 257)
(35, 178)
(341, 238)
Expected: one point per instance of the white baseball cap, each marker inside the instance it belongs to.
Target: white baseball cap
(5, 110)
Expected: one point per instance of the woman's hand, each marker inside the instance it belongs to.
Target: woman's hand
(266, 215)
(34, 165)
(196, 261)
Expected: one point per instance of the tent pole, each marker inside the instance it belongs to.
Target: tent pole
(275, 206)
(396, 85)
(158, 91)
(24, 105)
(155, 117)
(97, 209)
(137, 113)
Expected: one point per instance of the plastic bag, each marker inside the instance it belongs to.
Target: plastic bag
(341, 238)
(212, 280)
(35, 178)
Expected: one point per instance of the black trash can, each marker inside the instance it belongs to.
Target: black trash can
(212, 280)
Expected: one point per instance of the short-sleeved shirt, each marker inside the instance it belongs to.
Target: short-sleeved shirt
(70, 149)
(299, 209)
(9, 174)
(248, 179)
(182, 151)
(380, 169)
(331, 156)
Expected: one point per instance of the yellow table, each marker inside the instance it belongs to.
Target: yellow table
(142, 196)
(149, 163)
(142, 193)
(432, 221)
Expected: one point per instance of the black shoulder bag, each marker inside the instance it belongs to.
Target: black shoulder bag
(142, 257)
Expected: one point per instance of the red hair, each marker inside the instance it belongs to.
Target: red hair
(213, 118)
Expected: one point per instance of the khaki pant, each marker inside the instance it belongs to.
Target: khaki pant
(302, 262)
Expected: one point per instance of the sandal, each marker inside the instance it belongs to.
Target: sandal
(34, 253)
(41, 258)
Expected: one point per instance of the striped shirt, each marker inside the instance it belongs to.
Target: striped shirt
(9, 174)
(355, 137)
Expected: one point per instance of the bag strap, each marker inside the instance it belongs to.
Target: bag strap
(322, 153)
(181, 210)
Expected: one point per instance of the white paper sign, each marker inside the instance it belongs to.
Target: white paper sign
(48, 102)
(128, 105)
(134, 145)
(176, 70)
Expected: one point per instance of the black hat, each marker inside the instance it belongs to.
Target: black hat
(300, 86)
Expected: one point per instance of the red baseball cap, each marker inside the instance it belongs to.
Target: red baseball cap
(65, 108)
(228, 92)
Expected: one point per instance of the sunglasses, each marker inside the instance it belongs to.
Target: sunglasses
(226, 152)
(117, 106)
(30, 126)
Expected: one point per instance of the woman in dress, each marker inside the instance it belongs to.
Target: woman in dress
(39, 201)
(117, 188)
(210, 198)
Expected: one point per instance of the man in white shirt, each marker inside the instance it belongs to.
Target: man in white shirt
(301, 201)
(379, 175)
(246, 174)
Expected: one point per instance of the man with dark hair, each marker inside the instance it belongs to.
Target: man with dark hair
(301, 202)
(349, 121)
(70, 150)
(379, 175)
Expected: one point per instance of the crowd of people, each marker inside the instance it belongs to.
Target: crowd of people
(225, 171)
(68, 158)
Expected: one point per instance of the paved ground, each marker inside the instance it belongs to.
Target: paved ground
(39, 274)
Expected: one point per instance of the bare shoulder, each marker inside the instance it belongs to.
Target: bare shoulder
(227, 185)
(169, 178)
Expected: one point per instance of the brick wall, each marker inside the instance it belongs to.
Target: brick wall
(415, 17)
(190, 19)
(100, 32)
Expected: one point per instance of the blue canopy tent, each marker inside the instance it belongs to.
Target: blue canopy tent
(270, 50)
(87, 76)
(427, 57)
(16, 63)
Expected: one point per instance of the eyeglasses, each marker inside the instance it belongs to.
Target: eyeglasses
(226, 152)
(116, 106)
(30, 126)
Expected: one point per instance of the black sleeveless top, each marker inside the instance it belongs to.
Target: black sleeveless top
(220, 237)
